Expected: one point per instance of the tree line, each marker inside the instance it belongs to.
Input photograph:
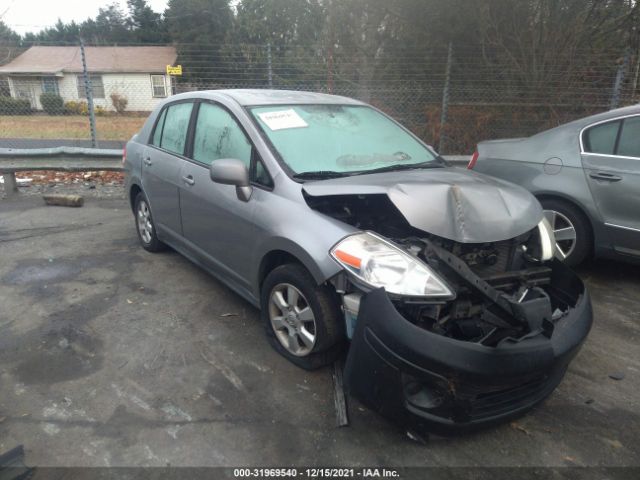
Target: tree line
(363, 39)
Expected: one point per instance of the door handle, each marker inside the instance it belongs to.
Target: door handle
(147, 161)
(609, 177)
(189, 180)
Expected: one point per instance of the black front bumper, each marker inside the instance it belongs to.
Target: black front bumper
(428, 382)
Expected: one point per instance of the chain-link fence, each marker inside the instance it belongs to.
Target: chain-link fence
(452, 98)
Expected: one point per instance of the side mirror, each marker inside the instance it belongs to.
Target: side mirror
(230, 171)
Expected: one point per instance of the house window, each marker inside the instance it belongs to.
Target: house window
(158, 85)
(50, 85)
(97, 87)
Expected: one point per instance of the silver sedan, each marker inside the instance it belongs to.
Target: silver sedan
(586, 175)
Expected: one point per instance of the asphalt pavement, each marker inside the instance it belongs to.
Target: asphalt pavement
(112, 356)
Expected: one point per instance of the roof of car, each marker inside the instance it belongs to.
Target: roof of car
(283, 97)
(603, 116)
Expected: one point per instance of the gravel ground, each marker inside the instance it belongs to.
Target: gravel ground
(85, 189)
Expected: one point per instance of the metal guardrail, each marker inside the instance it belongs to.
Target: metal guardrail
(66, 159)
(75, 159)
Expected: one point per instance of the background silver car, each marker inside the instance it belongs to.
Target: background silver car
(586, 175)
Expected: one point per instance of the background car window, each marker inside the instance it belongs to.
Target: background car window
(176, 124)
(157, 133)
(219, 136)
(629, 143)
(602, 138)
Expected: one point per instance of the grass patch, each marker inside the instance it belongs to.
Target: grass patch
(71, 127)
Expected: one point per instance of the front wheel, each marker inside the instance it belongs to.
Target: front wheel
(302, 319)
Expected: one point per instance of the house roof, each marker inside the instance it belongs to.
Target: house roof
(56, 60)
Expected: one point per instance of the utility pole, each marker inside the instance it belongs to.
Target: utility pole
(269, 66)
(330, 52)
(89, 92)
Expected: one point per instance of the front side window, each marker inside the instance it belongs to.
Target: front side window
(629, 143)
(174, 130)
(97, 87)
(218, 136)
(339, 138)
(158, 86)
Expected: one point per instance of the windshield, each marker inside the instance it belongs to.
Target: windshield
(339, 139)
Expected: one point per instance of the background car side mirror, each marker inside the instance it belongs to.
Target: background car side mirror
(231, 171)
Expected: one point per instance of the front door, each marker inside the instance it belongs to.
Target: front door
(214, 219)
(611, 161)
(162, 161)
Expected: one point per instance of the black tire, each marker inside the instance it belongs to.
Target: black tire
(584, 236)
(151, 243)
(323, 301)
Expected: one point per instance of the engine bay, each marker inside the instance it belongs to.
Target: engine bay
(503, 291)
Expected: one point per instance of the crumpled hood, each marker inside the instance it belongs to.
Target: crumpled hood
(452, 203)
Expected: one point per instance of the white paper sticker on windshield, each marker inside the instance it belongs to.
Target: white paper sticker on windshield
(283, 119)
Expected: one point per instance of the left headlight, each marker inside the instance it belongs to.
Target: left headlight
(547, 240)
(379, 263)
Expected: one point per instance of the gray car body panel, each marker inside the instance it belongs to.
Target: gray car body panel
(448, 202)
(552, 164)
(231, 238)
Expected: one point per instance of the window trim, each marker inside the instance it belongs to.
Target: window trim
(80, 78)
(621, 118)
(43, 82)
(164, 84)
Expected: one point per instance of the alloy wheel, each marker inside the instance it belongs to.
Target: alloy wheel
(564, 231)
(292, 319)
(145, 227)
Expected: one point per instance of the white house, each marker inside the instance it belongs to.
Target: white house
(137, 73)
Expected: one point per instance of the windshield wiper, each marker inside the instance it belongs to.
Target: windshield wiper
(406, 166)
(320, 175)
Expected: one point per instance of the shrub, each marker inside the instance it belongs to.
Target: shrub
(14, 106)
(52, 103)
(74, 107)
(99, 111)
(119, 102)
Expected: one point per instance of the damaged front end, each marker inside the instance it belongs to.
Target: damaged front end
(491, 335)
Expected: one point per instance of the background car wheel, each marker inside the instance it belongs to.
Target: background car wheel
(302, 320)
(144, 225)
(571, 228)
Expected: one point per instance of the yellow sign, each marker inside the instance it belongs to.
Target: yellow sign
(177, 70)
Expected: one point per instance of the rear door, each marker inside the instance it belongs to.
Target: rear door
(214, 220)
(611, 160)
(162, 161)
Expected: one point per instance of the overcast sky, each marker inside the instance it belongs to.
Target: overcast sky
(34, 15)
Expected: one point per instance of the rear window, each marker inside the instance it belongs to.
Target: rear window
(602, 138)
(171, 130)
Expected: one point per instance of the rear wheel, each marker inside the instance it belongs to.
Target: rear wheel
(144, 225)
(302, 319)
(571, 229)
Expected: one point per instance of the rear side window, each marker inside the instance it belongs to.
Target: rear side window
(629, 143)
(157, 133)
(218, 136)
(175, 123)
(602, 138)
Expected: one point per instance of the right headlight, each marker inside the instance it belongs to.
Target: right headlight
(379, 263)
